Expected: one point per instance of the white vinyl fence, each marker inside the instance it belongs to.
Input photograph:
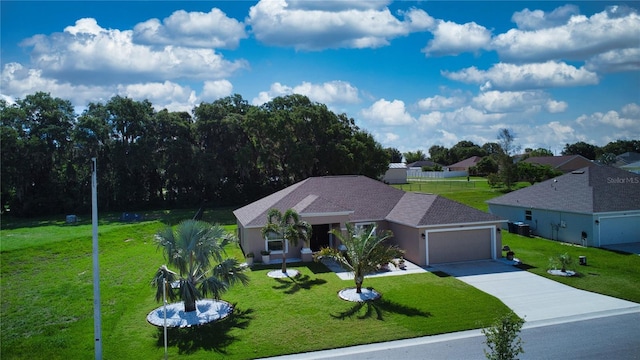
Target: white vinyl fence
(417, 173)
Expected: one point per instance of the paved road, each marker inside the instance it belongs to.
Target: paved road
(611, 337)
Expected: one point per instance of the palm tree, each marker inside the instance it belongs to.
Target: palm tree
(196, 249)
(287, 227)
(365, 252)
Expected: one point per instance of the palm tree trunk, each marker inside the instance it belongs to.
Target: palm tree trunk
(284, 259)
(190, 306)
(359, 281)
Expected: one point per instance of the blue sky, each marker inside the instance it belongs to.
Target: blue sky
(413, 74)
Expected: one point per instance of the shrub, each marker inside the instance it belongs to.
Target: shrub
(563, 261)
(503, 338)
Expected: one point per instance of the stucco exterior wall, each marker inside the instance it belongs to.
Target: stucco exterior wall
(600, 229)
(409, 239)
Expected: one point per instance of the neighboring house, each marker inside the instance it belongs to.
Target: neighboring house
(422, 163)
(396, 174)
(564, 163)
(431, 229)
(593, 206)
(633, 167)
(465, 164)
(627, 158)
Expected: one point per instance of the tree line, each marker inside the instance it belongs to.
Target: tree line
(465, 149)
(225, 152)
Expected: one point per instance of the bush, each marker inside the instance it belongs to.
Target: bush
(503, 338)
(562, 261)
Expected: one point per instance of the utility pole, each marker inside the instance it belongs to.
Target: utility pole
(96, 265)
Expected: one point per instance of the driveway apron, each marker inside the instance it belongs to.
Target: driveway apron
(533, 297)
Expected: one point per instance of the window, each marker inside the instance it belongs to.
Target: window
(366, 227)
(527, 215)
(273, 243)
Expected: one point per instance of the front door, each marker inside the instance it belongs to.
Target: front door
(319, 237)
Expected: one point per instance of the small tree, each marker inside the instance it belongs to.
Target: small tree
(503, 339)
(196, 249)
(288, 227)
(365, 252)
(563, 261)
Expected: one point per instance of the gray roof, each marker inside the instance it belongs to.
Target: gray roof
(419, 209)
(589, 190)
(362, 199)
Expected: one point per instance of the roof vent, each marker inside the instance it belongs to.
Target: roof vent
(577, 172)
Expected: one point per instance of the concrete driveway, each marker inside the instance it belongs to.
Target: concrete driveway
(534, 297)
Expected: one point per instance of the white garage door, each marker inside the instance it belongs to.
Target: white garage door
(445, 246)
(619, 230)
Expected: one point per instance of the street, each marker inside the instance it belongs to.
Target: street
(612, 337)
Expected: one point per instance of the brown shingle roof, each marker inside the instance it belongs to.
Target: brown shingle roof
(565, 163)
(363, 199)
(466, 163)
(418, 209)
(589, 190)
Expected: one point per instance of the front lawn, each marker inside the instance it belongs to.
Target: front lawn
(47, 295)
(607, 272)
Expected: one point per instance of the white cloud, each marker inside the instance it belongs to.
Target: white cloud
(470, 115)
(554, 106)
(336, 5)
(447, 139)
(332, 92)
(388, 138)
(451, 39)
(579, 38)
(166, 95)
(328, 93)
(192, 29)
(213, 90)
(87, 53)
(388, 113)
(503, 76)
(517, 101)
(431, 119)
(340, 25)
(611, 118)
(440, 102)
(615, 61)
(631, 111)
(538, 19)
(19, 82)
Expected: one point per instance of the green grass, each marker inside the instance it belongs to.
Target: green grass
(473, 193)
(47, 292)
(607, 272)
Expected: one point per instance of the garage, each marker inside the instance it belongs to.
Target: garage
(455, 245)
(619, 229)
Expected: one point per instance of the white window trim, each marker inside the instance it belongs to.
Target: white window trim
(266, 245)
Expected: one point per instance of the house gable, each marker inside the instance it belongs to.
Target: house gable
(588, 190)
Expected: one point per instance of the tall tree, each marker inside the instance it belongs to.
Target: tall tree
(133, 131)
(288, 228)
(581, 148)
(440, 154)
(413, 156)
(395, 156)
(508, 172)
(41, 129)
(196, 249)
(465, 149)
(366, 251)
(621, 146)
